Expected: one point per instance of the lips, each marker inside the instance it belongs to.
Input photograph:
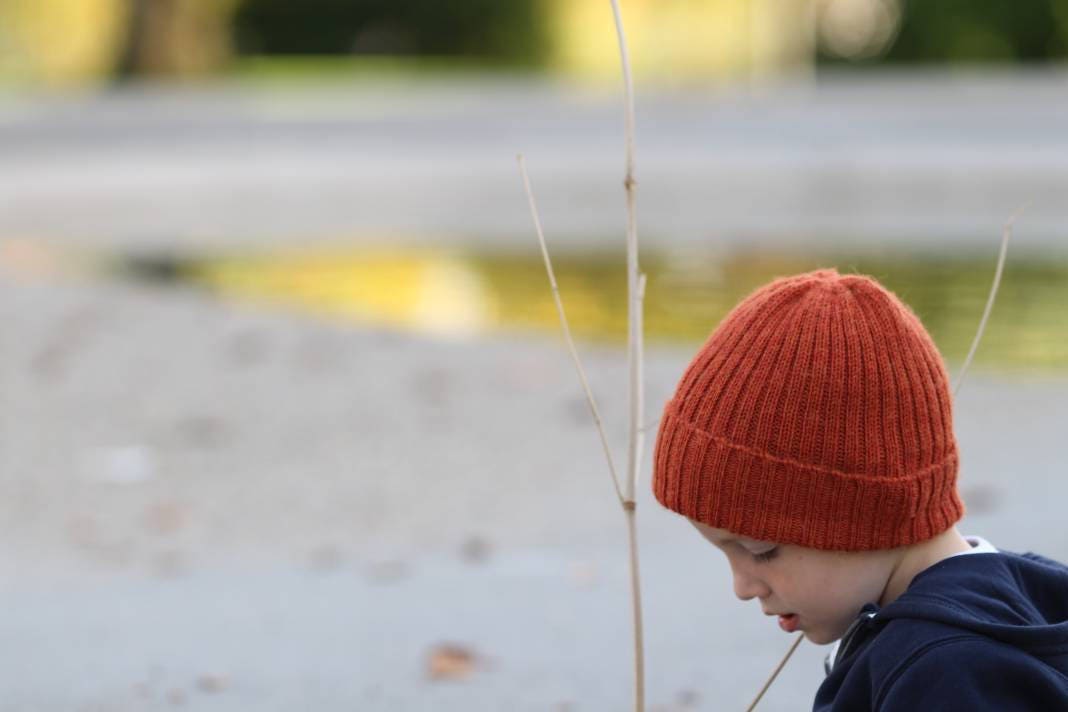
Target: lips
(789, 622)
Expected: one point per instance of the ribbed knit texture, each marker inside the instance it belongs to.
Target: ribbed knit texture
(818, 413)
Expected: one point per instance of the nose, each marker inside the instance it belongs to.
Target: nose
(747, 587)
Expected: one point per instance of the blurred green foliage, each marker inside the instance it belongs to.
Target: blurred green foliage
(992, 30)
(517, 31)
(507, 30)
(965, 31)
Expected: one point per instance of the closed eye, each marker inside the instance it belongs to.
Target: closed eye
(766, 556)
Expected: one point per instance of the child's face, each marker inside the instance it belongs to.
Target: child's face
(826, 589)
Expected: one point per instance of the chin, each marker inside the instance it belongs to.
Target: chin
(818, 637)
(825, 636)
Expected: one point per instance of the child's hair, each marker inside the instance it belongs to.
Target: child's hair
(818, 413)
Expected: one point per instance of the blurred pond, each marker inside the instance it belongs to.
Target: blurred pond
(465, 293)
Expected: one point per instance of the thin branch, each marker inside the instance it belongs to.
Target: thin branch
(637, 372)
(1006, 233)
(634, 309)
(635, 294)
(628, 94)
(797, 642)
(567, 330)
(649, 425)
(636, 609)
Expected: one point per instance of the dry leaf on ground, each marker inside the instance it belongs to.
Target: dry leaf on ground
(449, 661)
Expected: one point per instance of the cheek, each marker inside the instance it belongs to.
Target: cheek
(821, 587)
(835, 592)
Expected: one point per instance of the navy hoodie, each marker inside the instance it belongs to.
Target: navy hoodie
(977, 632)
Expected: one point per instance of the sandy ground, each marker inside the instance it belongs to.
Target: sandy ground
(214, 506)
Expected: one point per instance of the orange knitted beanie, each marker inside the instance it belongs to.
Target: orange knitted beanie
(817, 413)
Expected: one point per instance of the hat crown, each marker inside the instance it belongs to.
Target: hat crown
(818, 381)
(828, 370)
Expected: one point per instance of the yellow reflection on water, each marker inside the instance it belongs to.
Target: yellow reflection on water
(428, 291)
(450, 292)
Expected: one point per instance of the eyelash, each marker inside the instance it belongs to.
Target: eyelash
(766, 556)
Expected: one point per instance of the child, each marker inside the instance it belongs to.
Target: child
(811, 440)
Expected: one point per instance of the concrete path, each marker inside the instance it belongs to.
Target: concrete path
(931, 160)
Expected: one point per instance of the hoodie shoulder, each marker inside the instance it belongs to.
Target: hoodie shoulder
(1000, 608)
(1020, 599)
(967, 672)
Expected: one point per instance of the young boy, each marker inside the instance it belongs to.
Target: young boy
(811, 440)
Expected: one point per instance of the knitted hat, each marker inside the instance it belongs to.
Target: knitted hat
(818, 414)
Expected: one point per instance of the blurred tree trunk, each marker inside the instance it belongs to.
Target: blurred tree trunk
(126, 66)
(175, 38)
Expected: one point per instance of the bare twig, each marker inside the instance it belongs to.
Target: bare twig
(567, 330)
(637, 362)
(782, 663)
(649, 424)
(636, 294)
(634, 290)
(636, 608)
(1006, 233)
(628, 96)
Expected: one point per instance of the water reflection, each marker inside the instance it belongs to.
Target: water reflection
(461, 293)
